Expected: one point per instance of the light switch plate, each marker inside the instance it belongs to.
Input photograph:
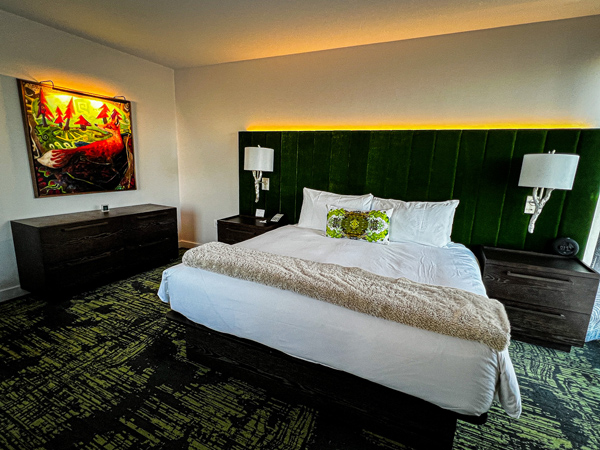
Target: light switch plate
(265, 184)
(529, 205)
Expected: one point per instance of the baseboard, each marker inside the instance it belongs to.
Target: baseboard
(188, 244)
(12, 292)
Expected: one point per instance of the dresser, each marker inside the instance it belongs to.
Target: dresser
(548, 298)
(68, 252)
(234, 229)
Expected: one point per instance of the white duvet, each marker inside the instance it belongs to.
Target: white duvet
(455, 374)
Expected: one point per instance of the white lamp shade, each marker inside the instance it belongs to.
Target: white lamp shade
(549, 170)
(258, 158)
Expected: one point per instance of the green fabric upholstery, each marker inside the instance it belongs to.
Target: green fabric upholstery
(479, 167)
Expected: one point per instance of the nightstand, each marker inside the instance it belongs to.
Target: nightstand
(548, 298)
(234, 229)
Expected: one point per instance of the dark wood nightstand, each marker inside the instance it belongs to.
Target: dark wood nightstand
(234, 229)
(548, 298)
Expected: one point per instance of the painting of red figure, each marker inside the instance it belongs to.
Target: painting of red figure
(77, 142)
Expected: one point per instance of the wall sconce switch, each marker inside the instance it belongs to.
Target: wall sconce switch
(265, 184)
(529, 205)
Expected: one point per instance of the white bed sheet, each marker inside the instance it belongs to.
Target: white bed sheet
(456, 374)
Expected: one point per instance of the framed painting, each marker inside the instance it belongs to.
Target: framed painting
(78, 142)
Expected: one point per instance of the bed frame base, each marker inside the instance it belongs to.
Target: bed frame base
(407, 419)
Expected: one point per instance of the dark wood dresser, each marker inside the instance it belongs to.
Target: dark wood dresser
(68, 252)
(234, 229)
(548, 298)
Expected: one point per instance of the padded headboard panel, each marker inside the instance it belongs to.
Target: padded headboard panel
(479, 167)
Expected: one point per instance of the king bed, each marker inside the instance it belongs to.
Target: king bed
(456, 374)
(460, 375)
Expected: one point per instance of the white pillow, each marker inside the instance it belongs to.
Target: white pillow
(428, 223)
(314, 206)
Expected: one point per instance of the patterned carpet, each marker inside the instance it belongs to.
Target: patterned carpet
(107, 370)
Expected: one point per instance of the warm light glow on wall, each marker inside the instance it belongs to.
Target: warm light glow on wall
(436, 126)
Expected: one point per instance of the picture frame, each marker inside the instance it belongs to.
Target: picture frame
(77, 142)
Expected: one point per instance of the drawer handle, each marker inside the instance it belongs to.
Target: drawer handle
(82, 227)
(150, 216)
(87, 259)
(233, 230)
(533, 277)
(539, 313)
(149, 244)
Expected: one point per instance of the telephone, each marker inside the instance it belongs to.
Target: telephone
(276, 217)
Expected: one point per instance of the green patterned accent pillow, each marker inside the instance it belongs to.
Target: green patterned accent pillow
(370, 226)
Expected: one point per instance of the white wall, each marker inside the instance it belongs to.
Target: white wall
(545, 74)
(35, 52)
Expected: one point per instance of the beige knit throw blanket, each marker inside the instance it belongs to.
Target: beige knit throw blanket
(445, 310)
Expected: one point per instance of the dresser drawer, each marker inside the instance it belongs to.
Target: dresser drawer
(565, 291)
(152, 252)
(71, 241)
(84, 270)
(150, 227)
(564, 327)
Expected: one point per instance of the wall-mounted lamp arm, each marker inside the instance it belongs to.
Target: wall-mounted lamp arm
(540, 198)
(257, 174)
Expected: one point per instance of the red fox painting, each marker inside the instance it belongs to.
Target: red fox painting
(99, 150)
(78, 143)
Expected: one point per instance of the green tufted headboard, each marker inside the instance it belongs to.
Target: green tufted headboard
(479, 167)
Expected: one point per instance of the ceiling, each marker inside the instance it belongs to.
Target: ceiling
(191, 33)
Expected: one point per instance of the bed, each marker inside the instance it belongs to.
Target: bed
(455, 374)
(458, 375)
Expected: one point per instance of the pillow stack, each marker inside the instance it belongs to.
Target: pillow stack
(378, 220)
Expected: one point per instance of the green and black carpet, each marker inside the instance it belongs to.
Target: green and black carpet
(107, 370)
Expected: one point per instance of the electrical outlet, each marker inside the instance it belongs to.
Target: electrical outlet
(265, 184)
(529, 205)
